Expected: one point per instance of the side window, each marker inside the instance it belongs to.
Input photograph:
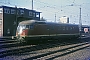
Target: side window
(6, 10)
(51, 27)
(30, 13)
(63, 28)
(37, 14)
(34, 15)
(66, 28)
(60, 27)
(12, 11)
(21, 12)
(1, 10)
(71, 28)
(31, 26)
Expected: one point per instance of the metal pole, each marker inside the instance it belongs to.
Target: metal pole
(16, 20)
(55, 17)
(80, 22)
(32, 9)
(32, 4)
(16, 16)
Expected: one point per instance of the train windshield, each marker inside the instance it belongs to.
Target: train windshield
(20, 28)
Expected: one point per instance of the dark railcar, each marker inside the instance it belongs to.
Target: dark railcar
(33, 29)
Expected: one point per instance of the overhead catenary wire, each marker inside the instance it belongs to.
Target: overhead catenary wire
(68, 5)
(58, 9)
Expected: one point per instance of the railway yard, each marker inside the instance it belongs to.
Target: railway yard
(44, 30)
(52, 50)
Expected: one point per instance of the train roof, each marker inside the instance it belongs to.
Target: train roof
(28, 22)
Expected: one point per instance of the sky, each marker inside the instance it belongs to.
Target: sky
(60, 8)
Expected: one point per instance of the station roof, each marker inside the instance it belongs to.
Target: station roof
(18, 8)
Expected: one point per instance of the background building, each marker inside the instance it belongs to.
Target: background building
(64, 19)
(11, 16)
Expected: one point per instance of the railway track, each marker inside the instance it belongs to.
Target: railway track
(48, 51)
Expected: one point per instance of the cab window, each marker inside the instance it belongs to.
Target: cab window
(27, 26)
